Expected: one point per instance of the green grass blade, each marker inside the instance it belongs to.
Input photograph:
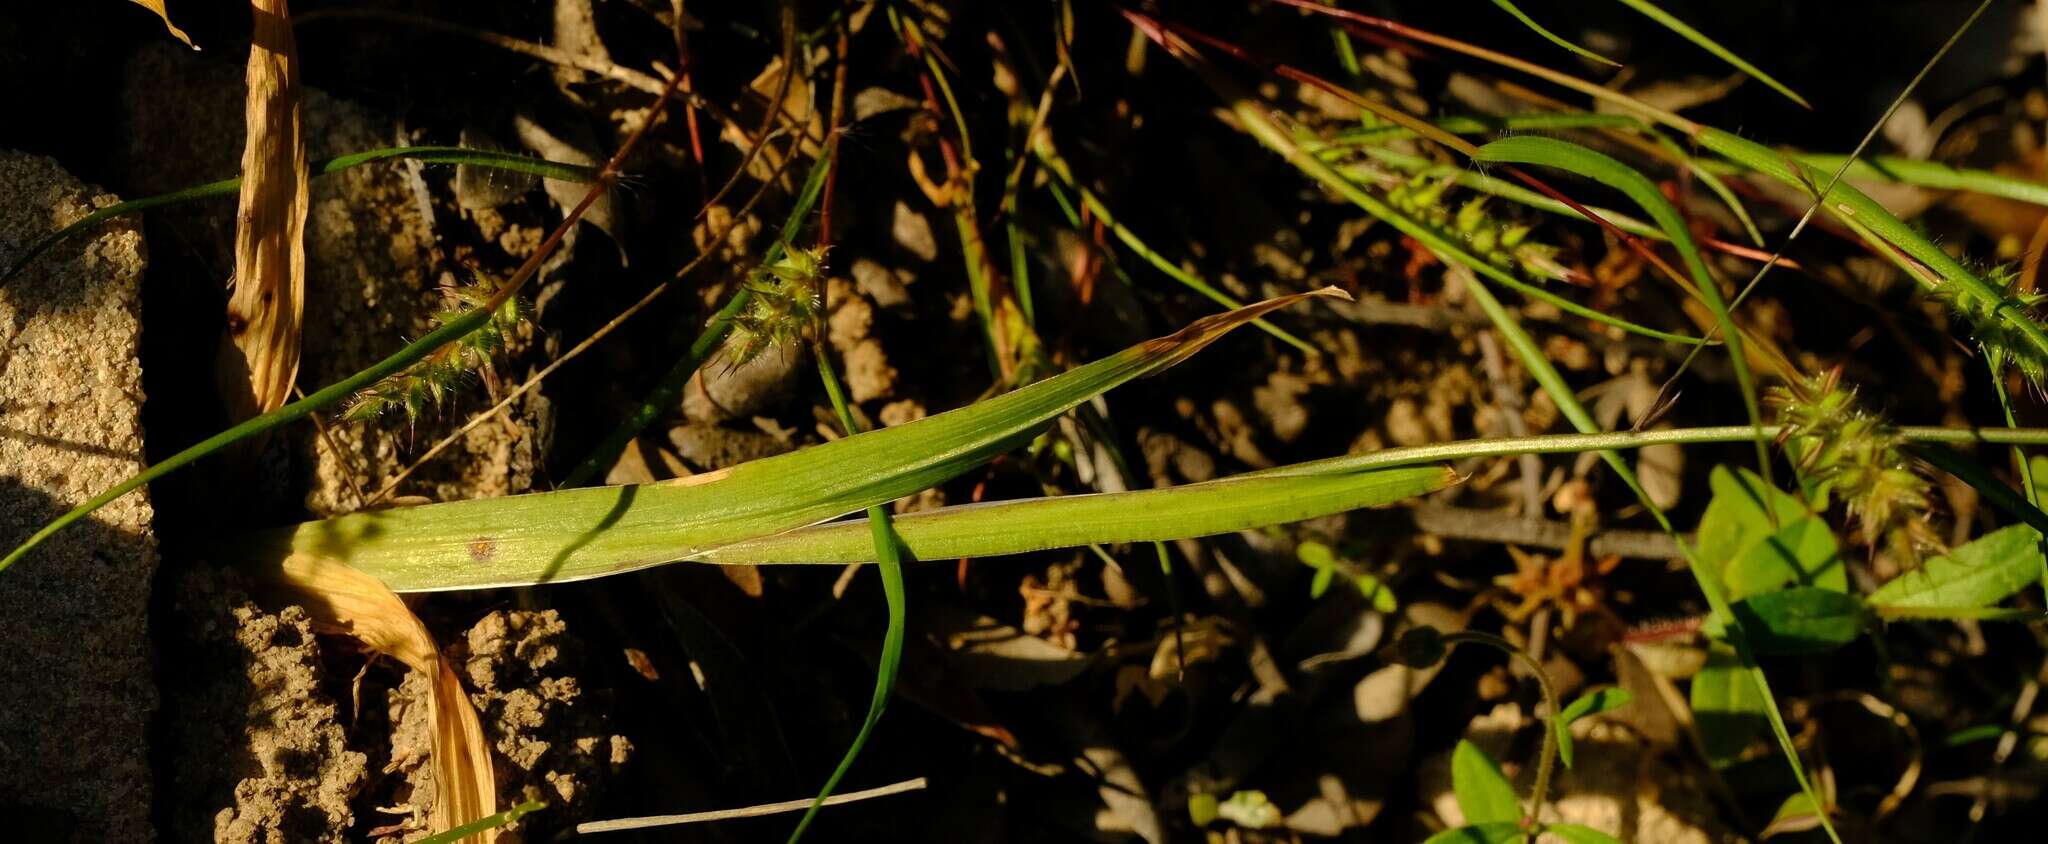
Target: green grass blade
(1036, 524)
(1858, 211)
(1467, 178)
(1651, 11)
(1552, 37)
(583, 533)
(1254, 120)
(327, 396)
(484, 824)
(888, 554)
(1565, 155)
(1931, 174)
(1251, 116)
(228, 187)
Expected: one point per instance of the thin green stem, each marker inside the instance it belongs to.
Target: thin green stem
(1546, 757)
(889, 558)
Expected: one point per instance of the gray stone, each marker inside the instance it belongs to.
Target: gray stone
(76, 689)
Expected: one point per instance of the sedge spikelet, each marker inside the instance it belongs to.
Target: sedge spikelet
(433, 379)
(1990, 323)
(1859, 456)
(787, 300)
(1505, 245)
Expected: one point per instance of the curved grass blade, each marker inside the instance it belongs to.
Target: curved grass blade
(1036, 524)
(888, 554)
(582, 533)
(1251, 117)
(1858, 211)
(228, 187)
(1565, 155)
(1552, 37)
(1254, 120)
(1651, 11)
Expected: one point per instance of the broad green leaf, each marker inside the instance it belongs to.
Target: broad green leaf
(1650, 10)
(1484, 793)
(1726, 709)
(1487, 833)
(1552, 37)
(1580, 834)
(1800, 620)
(1804, 552)
(1036, 524)
(1980, 574)
(1736, 539)
(1603, 699)
(583, 533)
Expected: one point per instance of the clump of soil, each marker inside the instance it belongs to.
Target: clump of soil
(551, 735)
(258, 751)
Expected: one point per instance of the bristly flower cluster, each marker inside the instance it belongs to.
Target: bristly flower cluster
(788, 298)
(1505, 245)
(431, 380)
(1994, 331)
(1860, 457)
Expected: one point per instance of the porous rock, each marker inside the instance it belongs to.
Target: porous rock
(75, 613)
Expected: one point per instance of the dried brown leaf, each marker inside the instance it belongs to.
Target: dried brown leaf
(261, 356)
(157, 6)
(343, 600)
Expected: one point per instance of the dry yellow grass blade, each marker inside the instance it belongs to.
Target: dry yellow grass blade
(344, 600)
(157, 6)
(261, 354)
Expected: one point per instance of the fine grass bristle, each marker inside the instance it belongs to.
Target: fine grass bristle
(430, 381)
(1992, 322)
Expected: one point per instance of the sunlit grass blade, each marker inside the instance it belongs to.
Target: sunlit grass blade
(1252, 118)
(2020, 334)
(1650, 10)
(228, 187)
(1565, 155)
(1552, 37)
(1036, 524)
(584, 533)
